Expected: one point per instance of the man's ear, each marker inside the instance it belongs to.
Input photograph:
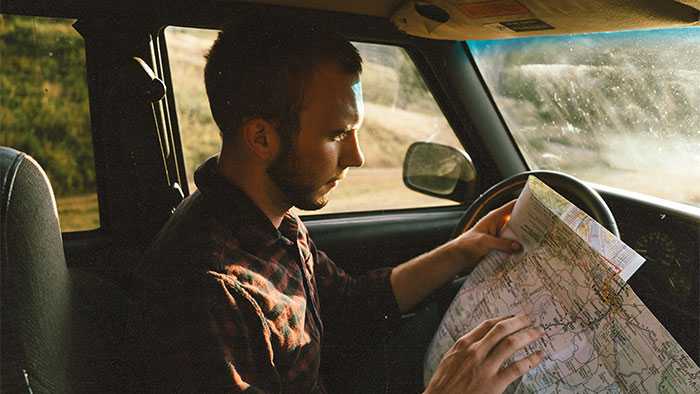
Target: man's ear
(261, 138)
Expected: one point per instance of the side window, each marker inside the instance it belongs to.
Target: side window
(44, 110)
(399, 110)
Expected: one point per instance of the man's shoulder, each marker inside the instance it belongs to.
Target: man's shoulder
(194, 240)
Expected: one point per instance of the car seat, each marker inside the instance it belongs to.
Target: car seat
(63, 330)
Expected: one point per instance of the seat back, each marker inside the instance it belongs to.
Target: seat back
(62, 329)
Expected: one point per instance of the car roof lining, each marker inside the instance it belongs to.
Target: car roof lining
(435, 19)
(493, 19)
(497, 19)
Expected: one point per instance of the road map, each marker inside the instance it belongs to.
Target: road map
(570, 279)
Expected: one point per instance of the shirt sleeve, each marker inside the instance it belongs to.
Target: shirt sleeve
(365, 299)
(208, 338)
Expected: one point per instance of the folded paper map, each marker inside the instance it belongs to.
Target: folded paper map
(571, 279)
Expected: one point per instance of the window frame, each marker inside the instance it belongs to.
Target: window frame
(173, 124)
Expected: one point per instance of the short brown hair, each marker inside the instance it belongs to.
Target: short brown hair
(259, 68)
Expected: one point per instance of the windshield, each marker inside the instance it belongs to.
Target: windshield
(617, 109)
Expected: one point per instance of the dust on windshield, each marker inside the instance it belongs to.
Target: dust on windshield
(617, 109)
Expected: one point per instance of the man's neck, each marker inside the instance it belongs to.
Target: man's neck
(257, 186)
(273, 211)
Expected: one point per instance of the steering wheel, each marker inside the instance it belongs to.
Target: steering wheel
(580, 194)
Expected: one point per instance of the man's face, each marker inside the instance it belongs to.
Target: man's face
(327, 142)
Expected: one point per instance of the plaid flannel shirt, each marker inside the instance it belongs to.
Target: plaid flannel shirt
(233, 304)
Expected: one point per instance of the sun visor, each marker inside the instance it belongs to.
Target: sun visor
(479, 19)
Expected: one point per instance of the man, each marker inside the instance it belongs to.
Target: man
(237, 292)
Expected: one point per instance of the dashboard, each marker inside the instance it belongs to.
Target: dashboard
(669, 281)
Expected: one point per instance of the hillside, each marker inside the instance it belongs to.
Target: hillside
(621, 109)
(44, 99)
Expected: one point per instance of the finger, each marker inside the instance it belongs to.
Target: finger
(505, 209)
(495, 219)
(478, 333)
(502, 329)
(521, 367)
(489, 242)
(511, 344)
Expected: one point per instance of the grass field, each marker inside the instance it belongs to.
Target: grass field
(78, 213)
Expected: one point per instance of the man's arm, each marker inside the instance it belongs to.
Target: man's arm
(206, 338)
(413, 280)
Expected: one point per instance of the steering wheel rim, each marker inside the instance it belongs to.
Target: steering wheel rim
(582, 195)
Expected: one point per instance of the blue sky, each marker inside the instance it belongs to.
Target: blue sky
(663, 35)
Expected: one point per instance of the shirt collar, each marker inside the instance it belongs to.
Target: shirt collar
(247, 222)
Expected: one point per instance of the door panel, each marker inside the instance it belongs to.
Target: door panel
(361, 242)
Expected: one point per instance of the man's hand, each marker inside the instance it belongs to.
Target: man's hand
(414, 280)
(476, 242)
(474, 364)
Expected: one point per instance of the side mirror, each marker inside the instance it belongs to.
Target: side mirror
(439, 171)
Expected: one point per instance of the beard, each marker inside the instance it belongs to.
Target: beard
(288, 176)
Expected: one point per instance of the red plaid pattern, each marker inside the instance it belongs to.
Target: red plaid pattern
(231, 303)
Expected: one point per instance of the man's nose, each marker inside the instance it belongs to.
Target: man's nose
(352, 155)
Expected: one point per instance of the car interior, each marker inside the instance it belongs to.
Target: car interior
(67, 293)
